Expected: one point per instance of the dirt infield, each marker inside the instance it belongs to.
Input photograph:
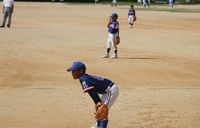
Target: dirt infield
(158, 69)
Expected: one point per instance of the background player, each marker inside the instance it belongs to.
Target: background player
(113, 29)
(8, 6)
(171, 4)
(114, 3)
(94, 85)
(131, 16)
(144, 3)
(61, 1)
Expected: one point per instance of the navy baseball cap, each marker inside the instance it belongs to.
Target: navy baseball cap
(77, 65)
(114, 15)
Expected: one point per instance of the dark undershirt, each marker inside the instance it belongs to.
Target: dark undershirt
(95, 97)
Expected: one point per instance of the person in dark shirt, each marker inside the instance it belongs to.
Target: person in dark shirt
(95, 86)
(113, 30)
(131, 16)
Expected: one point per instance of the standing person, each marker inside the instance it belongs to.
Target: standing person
(94, 85)
(139, 1)
(144, 3)
(113, 29)
(96, 1)
(8, 7)
(171, 4)
(61, 1)
(131, 16)
(148, 3)
(114, 3)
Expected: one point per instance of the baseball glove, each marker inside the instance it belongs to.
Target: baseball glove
(117, 40)
(101, 111)
(135, 18)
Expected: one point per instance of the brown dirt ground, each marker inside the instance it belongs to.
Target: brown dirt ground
(158, 69)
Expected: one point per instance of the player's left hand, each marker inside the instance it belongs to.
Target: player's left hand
(101, 111)
(135, 18)
(117, 40)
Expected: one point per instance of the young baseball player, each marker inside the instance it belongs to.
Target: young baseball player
(131, 16)
(8, 7)
(113, 30)
(95, 86)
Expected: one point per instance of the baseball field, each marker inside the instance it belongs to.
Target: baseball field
(157, 72)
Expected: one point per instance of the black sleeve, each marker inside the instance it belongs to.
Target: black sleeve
(95, 97)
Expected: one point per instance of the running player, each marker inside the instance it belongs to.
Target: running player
(94, 86)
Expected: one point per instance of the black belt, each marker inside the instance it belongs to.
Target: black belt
(111, 84)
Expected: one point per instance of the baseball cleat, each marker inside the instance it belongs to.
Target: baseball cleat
(106, 56)
(114, 56)
(95, 126)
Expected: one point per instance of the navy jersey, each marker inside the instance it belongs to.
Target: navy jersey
(131, 12)
(90, 82)
(94, 85)
(113, 27)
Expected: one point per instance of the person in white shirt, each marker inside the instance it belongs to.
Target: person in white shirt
(114, 3)
(171, 4)
(8, 6)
